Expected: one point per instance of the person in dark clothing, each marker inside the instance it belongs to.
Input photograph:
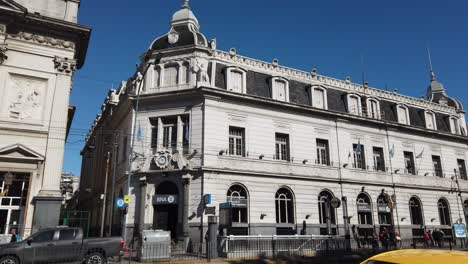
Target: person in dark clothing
(438, 236)
(14, 237)
(383, 236)
(356, 236)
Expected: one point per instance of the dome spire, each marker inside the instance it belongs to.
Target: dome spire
(430, 65)
(186, 4)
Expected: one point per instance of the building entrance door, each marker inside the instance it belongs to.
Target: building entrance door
(166, 208)
(3, 221)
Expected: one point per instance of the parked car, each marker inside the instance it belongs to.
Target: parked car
(61, 245)
(419, 256)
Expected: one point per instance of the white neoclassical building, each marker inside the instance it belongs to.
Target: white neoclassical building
(41, 46)
(273, 145)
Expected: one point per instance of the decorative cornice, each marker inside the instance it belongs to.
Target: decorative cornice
(42, 40)
(3, 56)
(314, 79)
(65, 65)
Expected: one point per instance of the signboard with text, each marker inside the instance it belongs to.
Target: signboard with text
(165, 199)
(460, 231)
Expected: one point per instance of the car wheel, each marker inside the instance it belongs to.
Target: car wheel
(94, 258)
(8, 260)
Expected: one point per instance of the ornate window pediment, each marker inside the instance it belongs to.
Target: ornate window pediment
(20, 152)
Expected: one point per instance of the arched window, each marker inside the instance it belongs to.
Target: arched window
(184, 73)
(319, 97)
(373, 108)
(280, 89)
(403, 115)
(324, 199)
(416, 211)
(170, 75)
(444, 212)
(237, 196)
(364, 209)
(430, 120)
(354, 104)
(284, 206)
(236, 80)
(384, 211)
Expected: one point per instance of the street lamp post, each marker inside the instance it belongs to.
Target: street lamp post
(104, 196)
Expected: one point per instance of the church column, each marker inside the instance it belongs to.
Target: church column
(49, 199)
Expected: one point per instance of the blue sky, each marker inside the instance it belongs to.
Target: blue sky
(330, 35)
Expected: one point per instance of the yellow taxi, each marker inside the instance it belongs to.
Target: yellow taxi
(419, 256)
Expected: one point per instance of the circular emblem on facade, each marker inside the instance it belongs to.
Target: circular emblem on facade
(162, 159)
(173, 37)
(335, 202)
(170, 199)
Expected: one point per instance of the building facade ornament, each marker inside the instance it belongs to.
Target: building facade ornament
(25, 99)
(47, 41)
(200, 68)
(3, 50)
(162, 159)
(65, 65)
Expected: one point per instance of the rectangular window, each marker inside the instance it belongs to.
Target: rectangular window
(323, 155)
(373, 109)
(236, 81)
(462, 169)
(437, 166)
(236, 141)
(154, 137)
(430, 124)
(169, 133)
(353, 105)
(319, 98)
(170, 75)
(359, 161)
(402, 115)
(280, 87)
(379, 162)
(409, 163)
(185, 134)
(282, 146)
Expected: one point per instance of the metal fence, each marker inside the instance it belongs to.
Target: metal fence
(298, 249)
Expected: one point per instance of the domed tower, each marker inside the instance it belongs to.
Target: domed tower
(185, 31)
(436, 93)
(180, 59)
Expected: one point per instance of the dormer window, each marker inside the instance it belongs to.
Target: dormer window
(280, 89)
(430, 120)
(354, 104)
(236, 80)
(319, 97)
(373, 108)
(454, 125)
(403, 114)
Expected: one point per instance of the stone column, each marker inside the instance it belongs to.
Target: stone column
(185, 213)
(48, 201)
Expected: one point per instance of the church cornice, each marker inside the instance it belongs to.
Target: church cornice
(314, 79)
(47, 31)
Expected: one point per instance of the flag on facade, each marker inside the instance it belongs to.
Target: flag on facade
(139, 132)
(392, 151)
(420, 154)
(359, 147)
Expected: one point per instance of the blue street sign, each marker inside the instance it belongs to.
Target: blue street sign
(120, 203)
(207, 199)
(459, 230)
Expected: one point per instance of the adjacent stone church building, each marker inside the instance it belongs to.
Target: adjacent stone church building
(41, 46)
(272, 146)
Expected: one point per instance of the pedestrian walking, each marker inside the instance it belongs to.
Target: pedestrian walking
(427, 239)
(383, 236)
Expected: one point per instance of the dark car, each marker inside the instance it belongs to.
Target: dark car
(61, 245)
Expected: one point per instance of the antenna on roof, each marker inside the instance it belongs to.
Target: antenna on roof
(430, 63)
